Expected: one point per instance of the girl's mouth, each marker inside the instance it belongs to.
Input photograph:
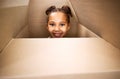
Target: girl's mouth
(57, 35)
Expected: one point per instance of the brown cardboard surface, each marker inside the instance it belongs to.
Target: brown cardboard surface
(100, 16)
(63, 56)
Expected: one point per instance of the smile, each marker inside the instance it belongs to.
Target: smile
(58, 35)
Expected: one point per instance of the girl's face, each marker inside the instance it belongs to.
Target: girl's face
(57, 24)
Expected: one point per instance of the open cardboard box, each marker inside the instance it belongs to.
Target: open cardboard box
(27, 53)
(85, 58)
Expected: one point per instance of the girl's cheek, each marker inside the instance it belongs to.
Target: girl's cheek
(50, 29)
(64, 29)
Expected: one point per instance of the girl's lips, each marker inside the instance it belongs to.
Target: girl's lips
(57, 34)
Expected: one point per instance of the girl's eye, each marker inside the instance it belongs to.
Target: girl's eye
(52, 24)
(62, 24)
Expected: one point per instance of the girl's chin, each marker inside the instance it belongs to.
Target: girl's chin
(57, 35)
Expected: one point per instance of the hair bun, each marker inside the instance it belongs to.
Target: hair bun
(48, 11)
(67, 10)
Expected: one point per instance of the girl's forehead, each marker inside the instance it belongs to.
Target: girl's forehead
(57, 16)
(58, 20)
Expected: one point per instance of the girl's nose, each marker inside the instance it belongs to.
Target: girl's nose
(57, 28)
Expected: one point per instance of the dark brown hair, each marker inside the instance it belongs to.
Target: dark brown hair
(64, 9)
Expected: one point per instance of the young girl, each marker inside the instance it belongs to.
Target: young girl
(58, 21)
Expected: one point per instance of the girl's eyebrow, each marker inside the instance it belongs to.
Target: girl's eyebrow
(63, 22)
(51, 21)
